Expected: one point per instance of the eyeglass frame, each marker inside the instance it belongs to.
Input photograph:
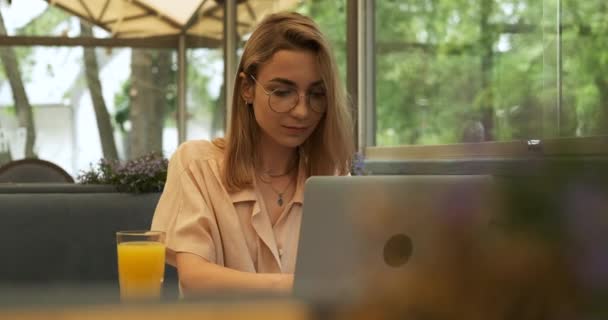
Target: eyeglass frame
(269, 94)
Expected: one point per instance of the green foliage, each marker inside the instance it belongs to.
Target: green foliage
(585, 78)
(444, 64)
(122, 104)
(10, 111)
(439, 68)
(331, 18)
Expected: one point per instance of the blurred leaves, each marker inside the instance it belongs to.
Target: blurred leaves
(431, 52)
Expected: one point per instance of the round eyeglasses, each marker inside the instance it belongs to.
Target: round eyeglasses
(284, 99)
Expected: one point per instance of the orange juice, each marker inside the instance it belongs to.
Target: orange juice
(141, 266)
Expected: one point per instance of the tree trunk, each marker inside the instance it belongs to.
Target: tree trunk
(104, 125)
(157, 118)
(487, 64)
(22, 105)
(149, 78)
(141, 101)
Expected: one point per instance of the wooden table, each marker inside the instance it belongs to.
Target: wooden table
(250, 310)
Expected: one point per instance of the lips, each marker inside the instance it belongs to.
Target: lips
(295, 129)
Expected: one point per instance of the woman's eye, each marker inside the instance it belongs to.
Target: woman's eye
(318, 94)
(282, 92)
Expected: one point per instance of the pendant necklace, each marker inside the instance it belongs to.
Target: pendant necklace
(279, 194)
(266, 177)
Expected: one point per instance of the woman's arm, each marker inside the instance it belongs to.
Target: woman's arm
(196, 275)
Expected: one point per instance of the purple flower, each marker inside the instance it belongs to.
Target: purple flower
(358, 165)
(144, 174)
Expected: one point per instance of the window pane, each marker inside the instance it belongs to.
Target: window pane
(136, 92)
(331, 18)
(85, 103)
(585, 68)
(206, 110)
(205, 93)
(453, 71)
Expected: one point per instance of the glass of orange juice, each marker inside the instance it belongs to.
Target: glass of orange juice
(141, 263)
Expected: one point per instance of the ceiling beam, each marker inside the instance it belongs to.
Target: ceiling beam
(160, 15)
(160, 42)
(103, 11)
(76, 14)
(194, 18)
(87, 9)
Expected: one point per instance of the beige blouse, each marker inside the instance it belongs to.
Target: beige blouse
(229, 229)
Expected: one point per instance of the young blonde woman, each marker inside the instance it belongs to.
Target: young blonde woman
(232, 208)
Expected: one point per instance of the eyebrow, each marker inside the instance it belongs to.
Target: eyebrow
(293, 84)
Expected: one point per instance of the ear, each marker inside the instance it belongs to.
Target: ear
(247, 88)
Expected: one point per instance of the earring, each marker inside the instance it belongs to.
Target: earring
(248, 103)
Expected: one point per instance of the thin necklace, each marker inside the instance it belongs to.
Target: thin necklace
(277, 192)
(278, 175)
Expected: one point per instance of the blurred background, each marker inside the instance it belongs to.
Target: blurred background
(513, 88)
(101, 79)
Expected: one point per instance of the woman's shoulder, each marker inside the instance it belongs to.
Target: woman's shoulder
(199, 150)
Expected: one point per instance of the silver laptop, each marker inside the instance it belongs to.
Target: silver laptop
(362, 233)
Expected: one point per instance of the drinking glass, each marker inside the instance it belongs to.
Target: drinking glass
(141, 263)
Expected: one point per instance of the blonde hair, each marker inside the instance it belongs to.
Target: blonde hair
(329, 149)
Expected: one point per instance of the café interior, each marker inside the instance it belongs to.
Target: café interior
(97, 95)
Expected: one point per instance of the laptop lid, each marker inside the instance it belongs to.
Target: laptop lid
(361, 233)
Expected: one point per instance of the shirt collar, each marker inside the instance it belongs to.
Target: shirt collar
(248, 194)
(243, 195)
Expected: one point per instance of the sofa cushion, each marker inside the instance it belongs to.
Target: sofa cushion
(67, 238)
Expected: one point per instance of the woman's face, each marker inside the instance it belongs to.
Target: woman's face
(287, 73)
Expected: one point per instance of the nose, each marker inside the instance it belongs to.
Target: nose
(301, 109)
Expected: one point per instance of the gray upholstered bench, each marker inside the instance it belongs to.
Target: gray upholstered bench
(64, 234)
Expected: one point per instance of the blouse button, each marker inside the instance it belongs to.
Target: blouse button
(280, 252)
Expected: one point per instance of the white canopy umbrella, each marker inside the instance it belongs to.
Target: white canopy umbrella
(152, 18)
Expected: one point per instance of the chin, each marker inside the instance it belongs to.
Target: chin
(291, 142)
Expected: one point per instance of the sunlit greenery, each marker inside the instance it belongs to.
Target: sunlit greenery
(447, 71)
(450, 71)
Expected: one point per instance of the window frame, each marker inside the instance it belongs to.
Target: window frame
(588, 146)
(517, 149)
